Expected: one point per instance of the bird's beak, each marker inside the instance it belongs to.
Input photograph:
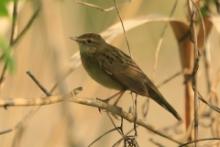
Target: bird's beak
(75, 38)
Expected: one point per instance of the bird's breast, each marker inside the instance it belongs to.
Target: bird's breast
(97, 73)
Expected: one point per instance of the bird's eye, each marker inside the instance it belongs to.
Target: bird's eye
(89, 41)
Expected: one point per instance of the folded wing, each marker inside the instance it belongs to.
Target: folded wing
(123, 69)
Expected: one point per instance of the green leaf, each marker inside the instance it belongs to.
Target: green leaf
(3, 11)
(9, 60)
(3, 44)
(6, 55)
(3, 7)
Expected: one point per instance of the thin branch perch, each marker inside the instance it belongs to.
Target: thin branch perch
(84, 101)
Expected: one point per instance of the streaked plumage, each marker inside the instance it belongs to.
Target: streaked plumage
(112, 68)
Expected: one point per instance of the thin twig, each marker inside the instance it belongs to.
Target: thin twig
(123, 27)
(14, 19)
(199, 140)
(33, 111)
(159, 44)
(207, 69)
(96, 6)
(120, 130)
(135, 114)
(5, 131)
(156, 143)
(84, 101)
(172, 127)
(17, 137)
(120, 140)
(27, 26)
(38, 83)
(104, 134)
(19, 36)
(213, 107)
(20, 125)
(170, 78)
(116, 7)
(145, 107)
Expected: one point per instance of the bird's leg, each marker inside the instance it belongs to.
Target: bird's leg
(119, 97)
(116, 95)
(135, 115)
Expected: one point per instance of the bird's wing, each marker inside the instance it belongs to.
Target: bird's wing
(123, 69)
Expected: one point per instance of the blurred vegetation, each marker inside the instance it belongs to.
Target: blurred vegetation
(6, 55)
(45, 49)
(3, 7)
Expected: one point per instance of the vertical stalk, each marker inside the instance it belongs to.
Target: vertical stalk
(193, 13)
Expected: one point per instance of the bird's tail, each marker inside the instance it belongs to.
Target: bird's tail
(157, 96)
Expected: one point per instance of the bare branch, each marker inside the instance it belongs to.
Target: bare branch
(84, 101)
(199, 140)
(5, 131)
(38, 83)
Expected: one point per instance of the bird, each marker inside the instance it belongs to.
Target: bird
(114, 69)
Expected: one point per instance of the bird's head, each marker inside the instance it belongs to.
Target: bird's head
(89, 40)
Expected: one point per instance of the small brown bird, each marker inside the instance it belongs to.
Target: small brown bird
(112, 68)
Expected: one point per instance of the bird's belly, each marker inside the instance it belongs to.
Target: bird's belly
(94, 70)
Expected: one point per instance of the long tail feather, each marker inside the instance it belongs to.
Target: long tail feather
(162, 101)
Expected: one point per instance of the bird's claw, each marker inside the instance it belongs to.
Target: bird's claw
(104, 100)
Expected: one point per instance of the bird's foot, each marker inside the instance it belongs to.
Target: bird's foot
(104, 100)
(108, 100)
(116, 95)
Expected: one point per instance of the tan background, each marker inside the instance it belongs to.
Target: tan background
(50, 33)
